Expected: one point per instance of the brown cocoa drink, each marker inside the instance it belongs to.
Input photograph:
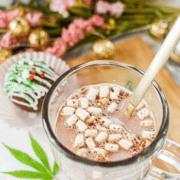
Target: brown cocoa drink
(92, 124)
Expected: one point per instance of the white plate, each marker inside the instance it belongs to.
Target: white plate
(10, 113)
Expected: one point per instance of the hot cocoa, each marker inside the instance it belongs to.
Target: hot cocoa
(92, 124)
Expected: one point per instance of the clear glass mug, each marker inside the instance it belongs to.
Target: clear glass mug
(135, 168)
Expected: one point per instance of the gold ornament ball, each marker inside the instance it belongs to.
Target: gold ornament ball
(4, 54)
(104, 48)
(158, 29)
(19, 27)
(38, 39)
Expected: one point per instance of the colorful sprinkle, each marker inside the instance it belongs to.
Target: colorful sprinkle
(33, 68)
(33, 73)
(42, 74)
(31, 77)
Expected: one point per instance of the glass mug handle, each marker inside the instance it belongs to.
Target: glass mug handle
(171, 157)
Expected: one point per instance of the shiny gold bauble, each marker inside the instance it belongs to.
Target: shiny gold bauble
(104, 48)
(158, 29)
(175, 57)
(19, 27)
(4, 54)
(38, 39)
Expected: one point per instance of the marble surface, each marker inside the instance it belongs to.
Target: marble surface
(20, 139)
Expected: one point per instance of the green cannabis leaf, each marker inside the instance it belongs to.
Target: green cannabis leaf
(44, 170)
(29, 174)
(40, 153)
(55, 168)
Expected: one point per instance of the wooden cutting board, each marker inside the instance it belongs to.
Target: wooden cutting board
(137, 53)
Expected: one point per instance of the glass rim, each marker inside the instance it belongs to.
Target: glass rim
(138, 158)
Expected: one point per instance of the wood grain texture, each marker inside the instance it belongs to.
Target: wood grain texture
(137, 53)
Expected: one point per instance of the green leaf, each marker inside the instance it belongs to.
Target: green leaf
(32, 2)
(49, 24)
(84, 13)
(3, 30)
(29, 174)
(26, 159)
(40, 153)
(48, 1)
(55, 168)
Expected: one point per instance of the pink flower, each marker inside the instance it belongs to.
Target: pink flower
(58, 49)
(98, 21)
(116, 9)
(81, 22)
(62, 6)
(65, 35)
(102, 7)
(34, 18)
(72, 35)
(88, 2)
(12, 14)
(90, 29)
(10, 42)
(3, 19)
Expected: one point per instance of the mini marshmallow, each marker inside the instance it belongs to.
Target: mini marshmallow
(115, 137)
(106, 122)
(67, 111)
(100, 128)
(112, 107)
(99, 151)
(140, 105)
(125, 144)
(81, 126)
(82, 152)
(72, 102)
(79, 140)
(92, 93)
(147, 143)
(115, 93)
(102, 101)
(95, 110)
(90, 132)
(101, 137)
(71, 120)
(115, 127)
(104, 91)
(84, 102)
(91, 120)
(90, 143)
(147, 122)
(148, 135)
(82, 113)
(143, 113)
(111, 147)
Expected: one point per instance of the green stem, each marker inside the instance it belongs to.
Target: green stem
(99, 34)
